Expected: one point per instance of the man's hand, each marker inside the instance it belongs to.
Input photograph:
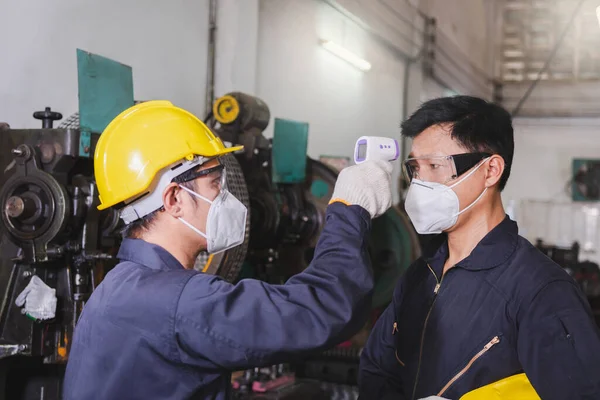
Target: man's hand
(368, 185)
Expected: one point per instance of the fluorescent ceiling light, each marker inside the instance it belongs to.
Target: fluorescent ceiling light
(346, 55)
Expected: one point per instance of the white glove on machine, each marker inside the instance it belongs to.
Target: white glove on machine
(39, 299)
(368, 185)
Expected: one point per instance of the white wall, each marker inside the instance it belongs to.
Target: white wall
(544, 149)
(541, 170)
(237, 46)
(299, 80)
(164, 41)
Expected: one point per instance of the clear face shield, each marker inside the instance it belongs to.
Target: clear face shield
(441, 169)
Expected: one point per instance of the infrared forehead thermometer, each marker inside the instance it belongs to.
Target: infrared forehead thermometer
(376, 148)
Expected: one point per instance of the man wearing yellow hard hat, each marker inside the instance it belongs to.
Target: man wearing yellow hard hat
(157, 329)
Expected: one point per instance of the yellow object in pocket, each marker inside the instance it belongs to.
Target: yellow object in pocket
(516, 387)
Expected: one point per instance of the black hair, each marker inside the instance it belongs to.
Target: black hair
(135, 229)
(477, 125)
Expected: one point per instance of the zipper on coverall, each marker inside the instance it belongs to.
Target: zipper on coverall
(435, 293)
(463, 371)
(488, 346)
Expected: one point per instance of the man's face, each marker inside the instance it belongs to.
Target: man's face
(195, 210)
(437, 141)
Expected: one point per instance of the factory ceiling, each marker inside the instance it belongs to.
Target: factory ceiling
(532, 31)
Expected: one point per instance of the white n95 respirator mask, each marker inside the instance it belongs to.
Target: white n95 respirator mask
(434, 207)
(225, 224)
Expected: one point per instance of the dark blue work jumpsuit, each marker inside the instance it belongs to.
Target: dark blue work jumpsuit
(154, 330)
(505, 309)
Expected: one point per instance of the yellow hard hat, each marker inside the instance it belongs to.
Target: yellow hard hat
(143, 140)
(513, 387)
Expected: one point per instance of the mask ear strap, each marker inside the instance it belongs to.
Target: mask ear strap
(195, 194)
(473, 203)
(469, 174)
(192, 227)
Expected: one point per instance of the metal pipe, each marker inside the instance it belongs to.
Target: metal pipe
(210, 70)
(417, 9)
(460, 65)
(393, 11)
(404, 140)
(550, 57)
(375, 35)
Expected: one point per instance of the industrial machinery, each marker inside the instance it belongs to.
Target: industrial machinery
(50, 226)
(52, 229)
(585, 273)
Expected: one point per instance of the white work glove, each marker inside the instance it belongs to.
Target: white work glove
(39, 299)
(368, 185)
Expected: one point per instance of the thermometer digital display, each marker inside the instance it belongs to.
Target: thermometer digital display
(376, 148)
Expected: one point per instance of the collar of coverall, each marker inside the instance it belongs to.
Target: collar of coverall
(493, 250)
(148, 255)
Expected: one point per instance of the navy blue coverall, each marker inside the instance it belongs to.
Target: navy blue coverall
(154, 330)
(505, 309)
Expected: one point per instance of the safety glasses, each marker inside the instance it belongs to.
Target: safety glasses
(216, 172)
(441, 169)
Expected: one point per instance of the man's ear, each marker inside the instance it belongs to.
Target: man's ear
(172, 196)
(494, 170)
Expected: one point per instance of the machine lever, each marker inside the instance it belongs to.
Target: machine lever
(48, 117)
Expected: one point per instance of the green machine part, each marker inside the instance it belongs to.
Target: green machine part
(290, 144)
(584, 179)
(105, 90)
